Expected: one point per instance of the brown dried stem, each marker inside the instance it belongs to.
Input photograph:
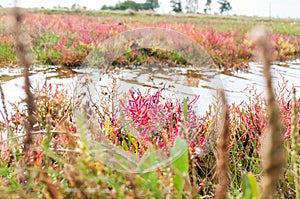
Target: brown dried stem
(53, 189)
(24, 54)
(273, 148)
(295, 143)
(222, 153)
(4, 109)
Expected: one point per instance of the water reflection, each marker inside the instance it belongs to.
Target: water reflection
(182, 82)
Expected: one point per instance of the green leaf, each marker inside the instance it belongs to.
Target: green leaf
(153, 184)
(148, 166)
(124, 144)
(45, 143)
(4, 171)
(254, 185)
(246, 188)
(14, 185)
(250, 187)
(243, 113)
(179, 154)
(185, 108)
(149, 162)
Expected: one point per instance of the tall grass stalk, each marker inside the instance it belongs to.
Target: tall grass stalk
(24, 54)
(295, 144)
(222, 153)
(273, 156)
(5, 112)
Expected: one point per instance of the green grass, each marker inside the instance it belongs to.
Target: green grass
(201, 21)
(224, 38)
(7, 54)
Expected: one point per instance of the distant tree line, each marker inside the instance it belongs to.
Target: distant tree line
(176, 5)
(129, 4)
(193, 6)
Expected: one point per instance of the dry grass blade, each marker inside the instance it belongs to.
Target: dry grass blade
(24, 53)
(4, 109)
(222, 153)
(3, 103)
(52, 188)
(273, 149)
(295, 143)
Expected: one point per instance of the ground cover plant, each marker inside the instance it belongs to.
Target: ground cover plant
(63, 163)
(66, 39)
(95, 155)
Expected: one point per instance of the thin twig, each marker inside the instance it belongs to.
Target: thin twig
(5, 110)
(3, 103)
(35, 133)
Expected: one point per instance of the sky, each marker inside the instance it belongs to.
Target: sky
(265, 8)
